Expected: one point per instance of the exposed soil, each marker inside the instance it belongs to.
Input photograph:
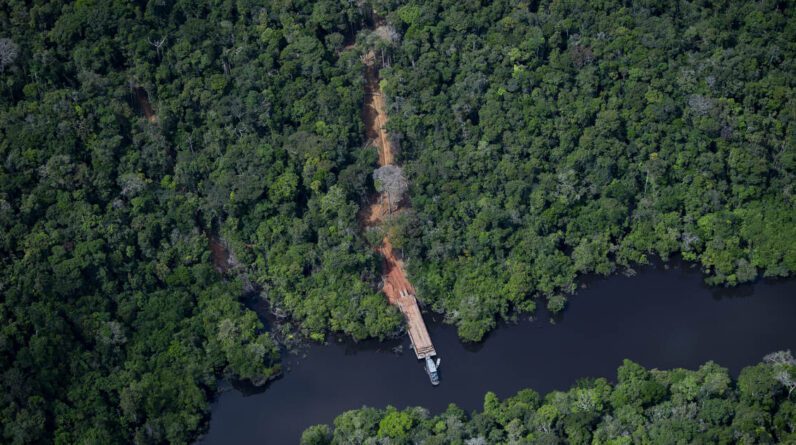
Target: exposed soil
(146, 107)
(397, 287)
(372, 213)
(395, 279)
(374, 113)
(223, 258)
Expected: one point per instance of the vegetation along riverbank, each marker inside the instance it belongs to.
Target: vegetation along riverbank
(540, 141)
(643, 406)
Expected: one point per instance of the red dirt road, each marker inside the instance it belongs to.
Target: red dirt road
(374, 115)
(395, 279)
(397, 287)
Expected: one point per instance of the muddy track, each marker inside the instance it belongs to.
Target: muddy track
(374, 115)
(397, 287)
(142, 98)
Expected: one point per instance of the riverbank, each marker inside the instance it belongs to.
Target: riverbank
(660, 318)
(703, 405)
(378, 214)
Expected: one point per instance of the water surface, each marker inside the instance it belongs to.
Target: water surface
(659, 318)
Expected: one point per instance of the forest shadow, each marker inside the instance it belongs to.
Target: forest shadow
(248, 389)
(353, 347)
(745, 290)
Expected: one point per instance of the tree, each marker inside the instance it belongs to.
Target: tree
(390, 180)
(8, 53)
(581, 414)
(395, 424)
(785, 368)
(316, 435)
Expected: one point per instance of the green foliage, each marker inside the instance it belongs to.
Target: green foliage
(316, 435)
(541, 141)
(395, 424)
(645, 406)
(566, 138)
(556, 303)
(115, 325)
(409, 14)
(758, 387)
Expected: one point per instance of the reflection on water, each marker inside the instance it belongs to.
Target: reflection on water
(742, 291)
(659, 318)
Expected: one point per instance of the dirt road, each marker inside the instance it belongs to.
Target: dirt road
(374, 113)
(397, 287)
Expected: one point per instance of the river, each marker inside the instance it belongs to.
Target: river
(659, 318)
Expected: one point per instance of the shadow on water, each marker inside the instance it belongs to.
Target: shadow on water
(246, 388)
(259, 305)
(351, 347)
(742, 291)
(475, 347)
(659, 318)
(746, 290)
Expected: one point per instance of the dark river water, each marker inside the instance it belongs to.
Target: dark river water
(659, 318)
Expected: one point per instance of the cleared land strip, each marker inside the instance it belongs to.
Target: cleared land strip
(397, 287)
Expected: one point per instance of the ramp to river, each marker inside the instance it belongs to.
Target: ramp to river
(401, 293)
(397, 287)
(679, 322)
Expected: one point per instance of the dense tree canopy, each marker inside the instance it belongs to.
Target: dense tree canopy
(643, 406)
(543, 140)
(130, 132)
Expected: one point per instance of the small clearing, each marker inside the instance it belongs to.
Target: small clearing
(142, 98)
(223, 258)
(397, 287)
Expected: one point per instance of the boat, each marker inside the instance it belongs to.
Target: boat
(432, 369)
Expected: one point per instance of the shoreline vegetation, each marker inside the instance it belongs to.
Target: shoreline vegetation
(548, 140)
(540, 140)
(643, 406)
